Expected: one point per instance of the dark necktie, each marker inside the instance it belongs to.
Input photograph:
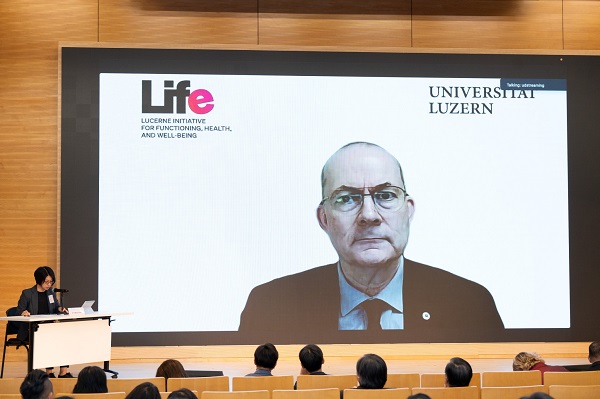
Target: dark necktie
(374, 308)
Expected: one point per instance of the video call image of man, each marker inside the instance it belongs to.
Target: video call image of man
(366, 211)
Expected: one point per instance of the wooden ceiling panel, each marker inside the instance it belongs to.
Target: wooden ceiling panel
(180, 22)
(488, 24)
(582, 24)
(369, 23)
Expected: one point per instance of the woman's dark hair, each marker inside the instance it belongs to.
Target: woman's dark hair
(171, 368)
(371, 371)
(41, 273)
(182, 393)
(91, 379)
(537, 395)
(36, 385)
(146, 390)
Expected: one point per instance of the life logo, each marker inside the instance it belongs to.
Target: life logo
(199, 101)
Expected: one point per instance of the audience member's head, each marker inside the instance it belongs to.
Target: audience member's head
(538, 395)
(594, 352)
(182, 393)
(371, 372)
(419, 396)
(146, 390)
(458, 373)
(91, 379)
(525, 360)
(36, 385)
(311, 358)
(171, 368)
(265, 356)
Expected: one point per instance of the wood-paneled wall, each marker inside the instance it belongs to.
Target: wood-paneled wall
(30, 31)
(491, 24)
(29, 34)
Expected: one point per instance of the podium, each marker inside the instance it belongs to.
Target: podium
(58, 339)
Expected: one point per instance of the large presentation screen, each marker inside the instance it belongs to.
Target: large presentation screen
(230, 197)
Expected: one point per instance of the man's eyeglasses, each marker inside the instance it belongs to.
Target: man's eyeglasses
(387, 198)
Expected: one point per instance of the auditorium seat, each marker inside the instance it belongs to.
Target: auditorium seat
(574, 391)
(449, 393)
(326, 393)
(262, 383)
(571, 378)
(438, 380)
(64, 384)
(108, 395)
(435, 380)
(392, 393)
(510, 392)
(10, 385)
(199, 384)
(12, 328)
(405, 380)
(236, 394)
(340, 382)
(511, 378)
(127, 384)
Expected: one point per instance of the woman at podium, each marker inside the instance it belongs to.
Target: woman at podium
(40, 299)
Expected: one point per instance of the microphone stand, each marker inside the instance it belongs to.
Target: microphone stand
(60, 298)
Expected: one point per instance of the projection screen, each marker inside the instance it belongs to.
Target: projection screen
(190, 177)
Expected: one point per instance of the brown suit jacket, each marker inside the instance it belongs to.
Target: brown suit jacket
(304, 307)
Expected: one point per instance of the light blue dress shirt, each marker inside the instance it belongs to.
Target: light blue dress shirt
(352, 315)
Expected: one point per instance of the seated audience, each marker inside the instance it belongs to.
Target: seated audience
(91, 379)
(182, 393)
(537, 395)
(594, 355)
(311, 361)
(371, 372)
(458, 373)
(36, 385)
(171, 368)
(532, 361)
(265, 360)
(146, 390)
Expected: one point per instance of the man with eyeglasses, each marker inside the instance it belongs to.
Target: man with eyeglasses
(366, 212)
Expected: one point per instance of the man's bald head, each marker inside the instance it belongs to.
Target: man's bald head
(343, 157)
